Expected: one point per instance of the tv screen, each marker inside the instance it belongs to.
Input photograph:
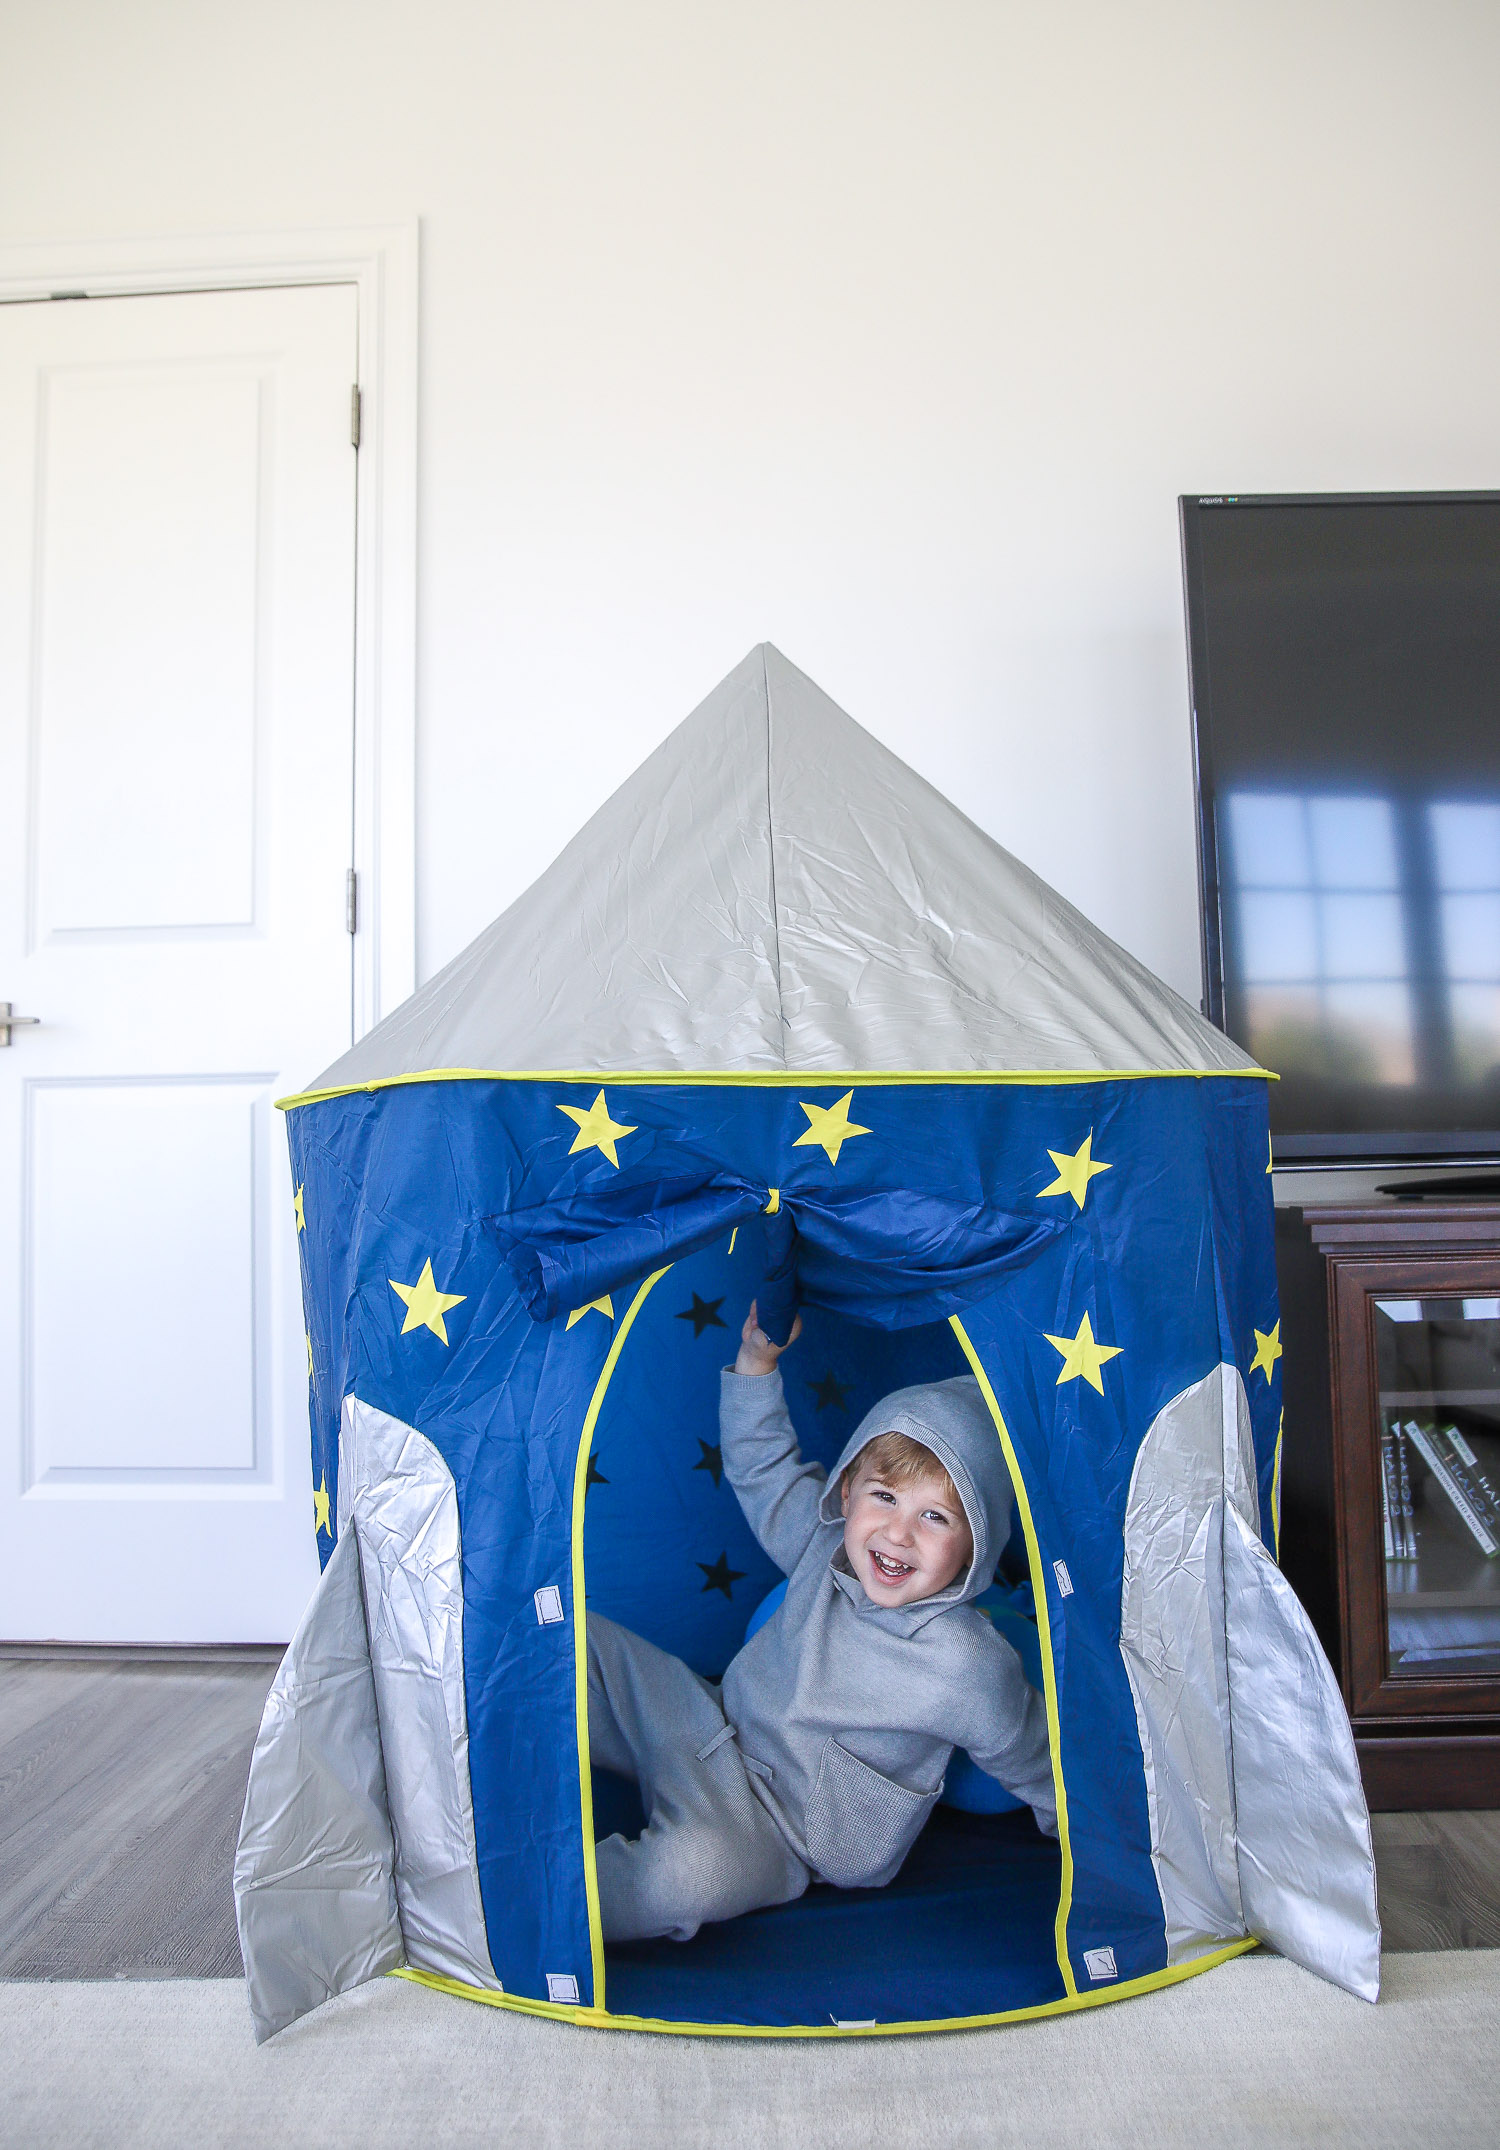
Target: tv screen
(1345, 659)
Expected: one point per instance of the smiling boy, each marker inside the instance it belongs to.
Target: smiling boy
(905, 1532)
(824, 1752)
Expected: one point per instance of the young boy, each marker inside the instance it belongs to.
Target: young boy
(823, 1753)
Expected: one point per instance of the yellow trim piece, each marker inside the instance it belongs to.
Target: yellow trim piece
(804, 1079)
(773, 1205)
(600, 2019)
(581, 1641)
(1276, 1487)
(1044, 1631)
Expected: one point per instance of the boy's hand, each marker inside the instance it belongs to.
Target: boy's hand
(757, 1354)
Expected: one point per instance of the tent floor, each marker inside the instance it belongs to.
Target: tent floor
(965, 1929)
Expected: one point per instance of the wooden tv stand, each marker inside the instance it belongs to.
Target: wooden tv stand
(1390, 1327)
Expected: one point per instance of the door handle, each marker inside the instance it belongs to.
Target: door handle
(9, 1022)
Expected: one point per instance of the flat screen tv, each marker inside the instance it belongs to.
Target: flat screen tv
(1345, 661)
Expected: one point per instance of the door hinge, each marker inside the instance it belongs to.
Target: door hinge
(354, 416)
(351, 901)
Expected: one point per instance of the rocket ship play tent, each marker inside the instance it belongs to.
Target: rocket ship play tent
(780, 1021)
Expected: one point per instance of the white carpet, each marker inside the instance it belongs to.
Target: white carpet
(1256, 2053)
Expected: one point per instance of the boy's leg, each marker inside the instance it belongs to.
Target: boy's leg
(710, 1849)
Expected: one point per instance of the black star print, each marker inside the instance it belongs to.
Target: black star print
(595, 1476)
(712, 1461)
(721, 1576)
(703, 1314)
(830, 1392)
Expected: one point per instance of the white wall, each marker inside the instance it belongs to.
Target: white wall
(886, 329)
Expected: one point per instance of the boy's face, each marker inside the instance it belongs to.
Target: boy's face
(903, 1542)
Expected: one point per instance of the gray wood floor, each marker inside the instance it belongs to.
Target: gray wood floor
(120, 1794)
(121, 1785)
(1439, 1880)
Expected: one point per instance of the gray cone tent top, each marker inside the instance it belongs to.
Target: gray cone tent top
(773, 889)
(772, 908)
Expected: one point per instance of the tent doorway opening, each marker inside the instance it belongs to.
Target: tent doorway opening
(968, 1926)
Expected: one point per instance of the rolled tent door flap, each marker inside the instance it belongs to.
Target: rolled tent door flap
(895, 1259)
(564, 1255)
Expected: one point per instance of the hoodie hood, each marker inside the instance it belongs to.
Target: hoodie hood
(954, 1421)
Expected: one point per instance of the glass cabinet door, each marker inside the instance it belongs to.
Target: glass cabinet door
(1438, 1371)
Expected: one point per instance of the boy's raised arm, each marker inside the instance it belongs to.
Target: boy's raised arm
(778, 1491)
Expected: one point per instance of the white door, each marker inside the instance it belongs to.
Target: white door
(177, 503)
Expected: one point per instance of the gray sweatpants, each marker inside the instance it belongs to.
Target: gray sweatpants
(710, 1849)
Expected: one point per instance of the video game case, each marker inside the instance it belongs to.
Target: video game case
(1480, 1485)
(1407, 1521)
(1465, 1479)
(1389, 1492)
(1437, 1458)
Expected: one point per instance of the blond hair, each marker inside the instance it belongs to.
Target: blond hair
(901, 1461)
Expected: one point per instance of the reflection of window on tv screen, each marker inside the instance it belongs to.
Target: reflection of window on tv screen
(1346, 666)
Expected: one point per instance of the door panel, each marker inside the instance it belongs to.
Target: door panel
(114, 1168)
(177, 526)
(149, 497)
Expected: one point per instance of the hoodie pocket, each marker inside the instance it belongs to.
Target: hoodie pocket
(860, 1824)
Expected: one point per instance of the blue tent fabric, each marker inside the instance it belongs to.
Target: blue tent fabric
(1181, 1207)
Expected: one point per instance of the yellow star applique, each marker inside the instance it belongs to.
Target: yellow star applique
(309, 1355)
(596, 1130)
(425, 1304)
(606, 1305)
(1081, 1355)
(298, 1211)
(1270, 1155)
(320, 1508)
(1075, 1172)
(830, 1127)
(1267, 1350)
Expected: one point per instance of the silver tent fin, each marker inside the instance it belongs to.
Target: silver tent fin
(1257, 1813)
(357, 1851)
(397, 1497)
(1172, 1641)
(1307, 1863)
(314, 1885)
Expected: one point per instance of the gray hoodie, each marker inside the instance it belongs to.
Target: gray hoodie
(846, 1712)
